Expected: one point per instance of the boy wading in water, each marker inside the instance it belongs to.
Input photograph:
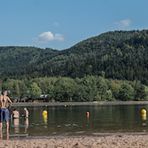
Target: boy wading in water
(4, 112)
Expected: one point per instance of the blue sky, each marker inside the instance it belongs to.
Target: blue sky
(62, 23)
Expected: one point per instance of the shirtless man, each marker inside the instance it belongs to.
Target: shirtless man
(4, 112)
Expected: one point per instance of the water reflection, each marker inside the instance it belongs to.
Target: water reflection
(16, 124)
(143, 118)
(2, 136)
(26, 124)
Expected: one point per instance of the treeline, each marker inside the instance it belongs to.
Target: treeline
(88, 88)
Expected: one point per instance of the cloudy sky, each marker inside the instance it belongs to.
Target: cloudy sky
(62, 23)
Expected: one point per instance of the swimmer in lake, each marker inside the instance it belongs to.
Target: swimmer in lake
(15, 114)
(4, 112)
(15, 117)
(26, 113)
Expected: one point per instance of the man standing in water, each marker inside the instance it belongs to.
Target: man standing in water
(4, 112)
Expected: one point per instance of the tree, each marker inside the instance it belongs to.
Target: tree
(115, 86)
(89, 84)
(109, 95)
(140, 91)
(102, 88)
(126, 92)
(35, 90)
(64, 89)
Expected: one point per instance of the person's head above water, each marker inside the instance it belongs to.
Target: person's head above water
(4, 92)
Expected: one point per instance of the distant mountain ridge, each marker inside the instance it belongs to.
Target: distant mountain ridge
(117, 55)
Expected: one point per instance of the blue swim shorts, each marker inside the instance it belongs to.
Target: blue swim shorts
(4, 115)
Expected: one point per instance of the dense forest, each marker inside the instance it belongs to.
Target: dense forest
(118, 57)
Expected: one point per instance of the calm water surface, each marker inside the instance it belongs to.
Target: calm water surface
(72, 120)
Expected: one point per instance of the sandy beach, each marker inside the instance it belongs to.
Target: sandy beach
(112, 141)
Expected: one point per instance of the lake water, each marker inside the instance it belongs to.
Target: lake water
(72, 120)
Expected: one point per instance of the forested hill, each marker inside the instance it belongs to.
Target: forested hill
(15, 60)
(118, 55)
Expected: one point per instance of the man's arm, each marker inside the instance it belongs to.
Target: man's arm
(9, 100)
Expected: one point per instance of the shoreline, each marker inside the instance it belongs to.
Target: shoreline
(120, 140)
(99, 103)
(105, 134)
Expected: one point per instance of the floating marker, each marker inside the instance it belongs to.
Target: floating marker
(44, 112)
(143, 111)
(143, 114)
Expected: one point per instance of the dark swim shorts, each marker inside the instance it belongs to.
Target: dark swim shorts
(4, 114)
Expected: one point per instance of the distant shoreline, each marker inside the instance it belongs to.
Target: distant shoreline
(80, 103)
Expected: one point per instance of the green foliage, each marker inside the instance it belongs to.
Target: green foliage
(140, 91)
(35, 90)
(65, 89)
(89, 85)
(126, 92)
(102, 89)
(115, 87)
(88, 88)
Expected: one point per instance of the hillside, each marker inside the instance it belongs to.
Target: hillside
(118, 55)
(14, 60)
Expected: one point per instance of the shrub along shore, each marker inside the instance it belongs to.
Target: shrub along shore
(65, 89)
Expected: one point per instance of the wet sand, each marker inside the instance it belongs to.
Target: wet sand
(112, 141)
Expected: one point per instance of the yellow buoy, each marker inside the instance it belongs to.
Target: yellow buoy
(143, 112)
(44, 112)
(45, 117)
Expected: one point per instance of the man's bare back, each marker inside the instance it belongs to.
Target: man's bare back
(4, 101)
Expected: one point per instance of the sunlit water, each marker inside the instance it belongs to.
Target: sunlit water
(72, 120)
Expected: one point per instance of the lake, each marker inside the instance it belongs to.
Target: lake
(72, 120)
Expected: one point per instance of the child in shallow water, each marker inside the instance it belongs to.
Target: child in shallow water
(26, 113)
(15, 114)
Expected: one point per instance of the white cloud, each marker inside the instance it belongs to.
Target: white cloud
(49, 36)
(124, 23)
(46, 36)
